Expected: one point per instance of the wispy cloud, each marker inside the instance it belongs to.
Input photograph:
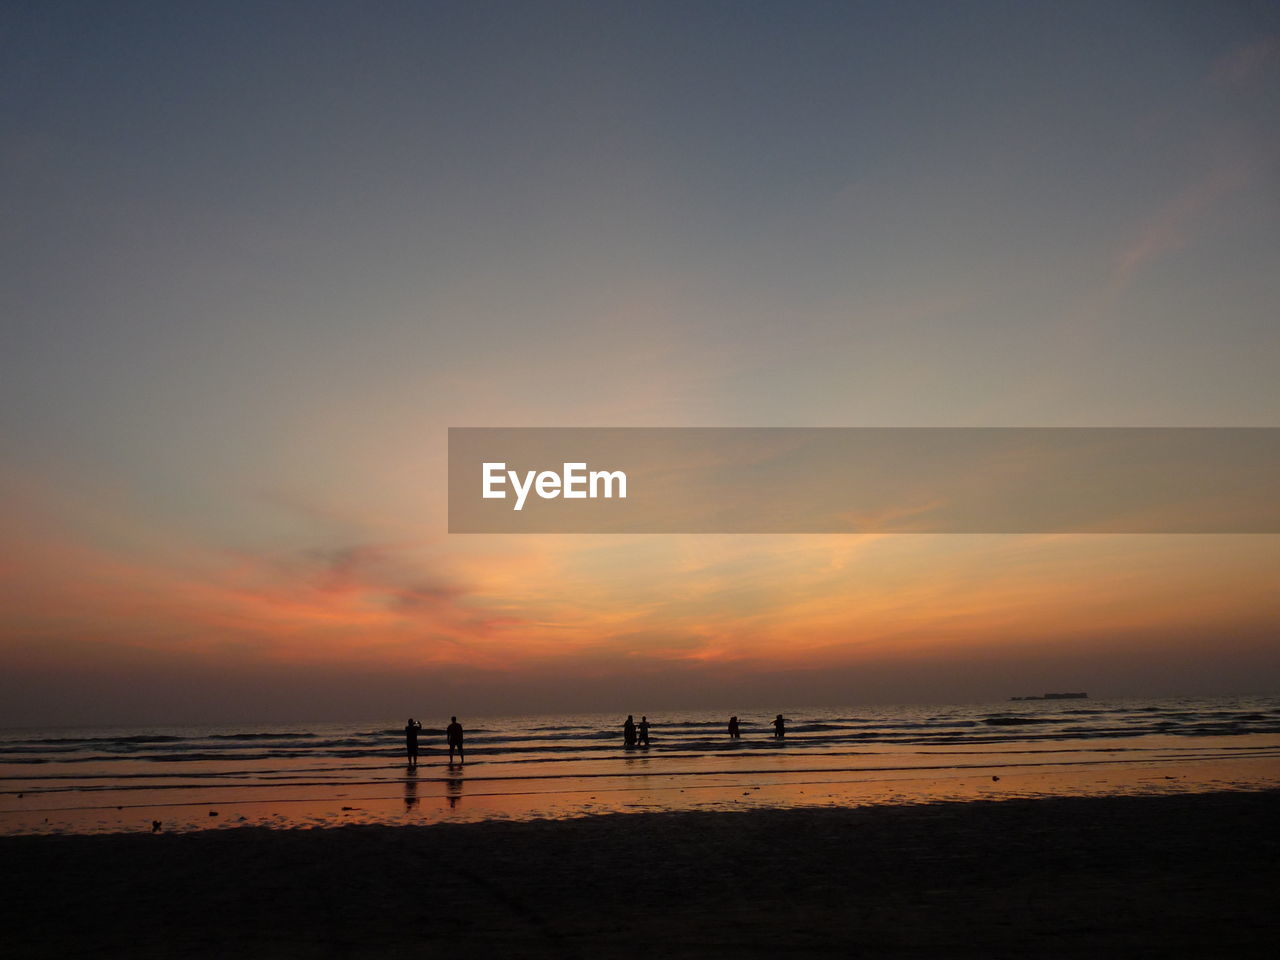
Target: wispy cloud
(1247, 63)
(1172, 227)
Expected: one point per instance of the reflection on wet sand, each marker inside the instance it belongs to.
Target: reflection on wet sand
(410, 788)
(453, 791)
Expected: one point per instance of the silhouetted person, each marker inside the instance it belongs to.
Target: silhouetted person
(453, 733)
(629, 732)
(779, 727)
(644, 730)
(411, 740)
(733, 728)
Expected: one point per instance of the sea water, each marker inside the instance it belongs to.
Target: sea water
(326, 773)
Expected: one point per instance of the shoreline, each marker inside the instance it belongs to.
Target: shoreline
(110, 780)
(472, 794)
(1187, 874)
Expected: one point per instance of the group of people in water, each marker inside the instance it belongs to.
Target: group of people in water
(637, 734)
(633, 735)
(452, 733)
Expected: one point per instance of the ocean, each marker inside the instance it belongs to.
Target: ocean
(110, 779)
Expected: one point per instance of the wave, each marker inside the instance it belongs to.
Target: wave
(596, 739)
(135, 739)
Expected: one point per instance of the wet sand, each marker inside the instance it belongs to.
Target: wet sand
(1176, 875)
(435, 793)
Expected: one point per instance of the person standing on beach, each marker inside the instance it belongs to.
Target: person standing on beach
(453, 733)
(629, 732)
(411, 740)
(733, 728)
(644, 731)
(779, 727)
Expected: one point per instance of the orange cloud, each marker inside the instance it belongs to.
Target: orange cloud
(79, 590)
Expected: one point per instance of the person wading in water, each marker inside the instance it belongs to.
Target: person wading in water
(411, 740)
(453, 733)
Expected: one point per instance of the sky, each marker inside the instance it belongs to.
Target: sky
(255, 259)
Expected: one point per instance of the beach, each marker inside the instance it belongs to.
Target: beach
(640, 481)
(1180, 874)
(1091, 828)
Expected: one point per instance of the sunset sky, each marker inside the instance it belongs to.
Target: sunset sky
(257, 258)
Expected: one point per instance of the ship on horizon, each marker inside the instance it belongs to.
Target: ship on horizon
(1055, 696)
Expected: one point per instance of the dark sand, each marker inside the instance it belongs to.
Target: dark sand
(1185, 875)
